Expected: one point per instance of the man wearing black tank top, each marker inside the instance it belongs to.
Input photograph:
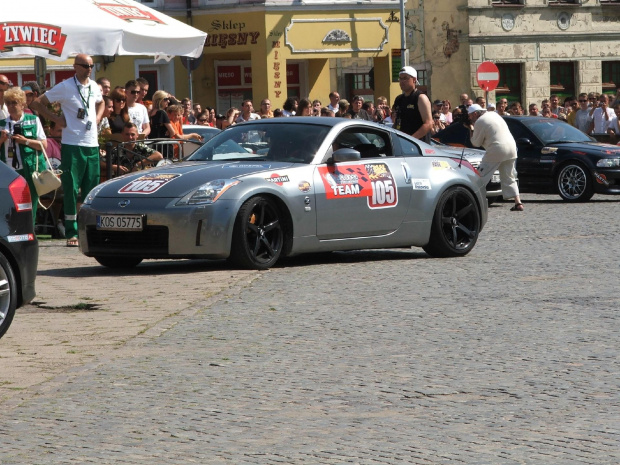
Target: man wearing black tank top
(413, 109)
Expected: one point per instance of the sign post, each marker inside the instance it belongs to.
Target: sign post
(487, 75)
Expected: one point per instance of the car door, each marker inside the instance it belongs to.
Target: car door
(366, 197)
(533, 162)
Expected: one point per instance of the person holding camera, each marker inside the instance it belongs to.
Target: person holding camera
(18, 133)
(82, 109)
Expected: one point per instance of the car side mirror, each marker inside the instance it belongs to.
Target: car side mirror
(523, 141)
(346, 154)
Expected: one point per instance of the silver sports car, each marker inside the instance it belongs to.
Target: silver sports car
(266, 189)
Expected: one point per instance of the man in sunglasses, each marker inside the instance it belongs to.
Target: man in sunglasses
(583, 117)
(138, 114)
(82, 109)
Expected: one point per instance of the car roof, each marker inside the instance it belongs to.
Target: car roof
(316, 120)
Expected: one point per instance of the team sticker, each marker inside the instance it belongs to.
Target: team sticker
(371, 180)
(147, 184)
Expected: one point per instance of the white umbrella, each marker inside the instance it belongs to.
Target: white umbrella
(60, 28)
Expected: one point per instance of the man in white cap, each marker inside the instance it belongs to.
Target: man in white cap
(413, 108)
(491, 132)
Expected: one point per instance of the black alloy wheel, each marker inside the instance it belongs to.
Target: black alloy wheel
(456, 224)
(258, 235)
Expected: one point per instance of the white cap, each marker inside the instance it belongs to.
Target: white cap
(410, 70)
(474, 107)
(490, 105)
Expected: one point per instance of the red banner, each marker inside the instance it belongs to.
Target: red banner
(25, 34)
(128, 13)
(229, 75)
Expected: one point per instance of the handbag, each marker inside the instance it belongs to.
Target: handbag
(47, 180)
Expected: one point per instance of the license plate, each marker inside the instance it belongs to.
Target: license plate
(495, 179)
(120, 222)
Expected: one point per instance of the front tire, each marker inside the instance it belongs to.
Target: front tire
(574, 183)
(8, 294)
(119, 262)
(456, 224)
(258, 234)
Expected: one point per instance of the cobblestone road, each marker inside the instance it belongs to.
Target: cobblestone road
(507, 356)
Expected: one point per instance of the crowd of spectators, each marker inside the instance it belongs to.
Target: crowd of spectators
(593, 113)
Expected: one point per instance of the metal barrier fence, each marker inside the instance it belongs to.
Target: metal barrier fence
(118, 155)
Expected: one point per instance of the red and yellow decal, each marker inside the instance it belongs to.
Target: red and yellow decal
(371, 180)
(147, 184)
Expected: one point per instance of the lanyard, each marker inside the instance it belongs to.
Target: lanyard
(85, 103)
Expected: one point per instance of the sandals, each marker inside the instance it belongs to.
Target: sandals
(517, 208)
(73, 242)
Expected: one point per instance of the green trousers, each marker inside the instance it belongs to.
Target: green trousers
(80, 174)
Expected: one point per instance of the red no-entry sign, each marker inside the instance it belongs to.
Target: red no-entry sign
(487, 76)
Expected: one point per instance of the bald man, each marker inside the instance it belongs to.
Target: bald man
(82, 107)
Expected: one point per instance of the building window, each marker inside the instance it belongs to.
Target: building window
(558, 2)
(562, 79)
(607, 2)
(611, 76)
(358, 84)
(506, 2)
(509, 86)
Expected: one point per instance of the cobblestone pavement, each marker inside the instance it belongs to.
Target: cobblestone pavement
(507, 356)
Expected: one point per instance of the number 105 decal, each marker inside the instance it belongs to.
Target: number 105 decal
(371, 180)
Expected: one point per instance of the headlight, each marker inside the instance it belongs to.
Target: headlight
(608, 163)
(93, 193)
(209, 192)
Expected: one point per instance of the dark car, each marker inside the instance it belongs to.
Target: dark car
(555, 157)
(19, 249)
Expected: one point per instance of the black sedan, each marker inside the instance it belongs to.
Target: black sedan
(555, 157)
(19, 249)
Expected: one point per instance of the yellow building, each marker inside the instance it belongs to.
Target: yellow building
(265, 50)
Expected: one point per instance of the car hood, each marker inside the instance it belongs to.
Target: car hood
(176, 180)
(591, 148)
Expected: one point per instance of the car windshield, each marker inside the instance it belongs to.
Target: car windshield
(551, 131)
(294, 142)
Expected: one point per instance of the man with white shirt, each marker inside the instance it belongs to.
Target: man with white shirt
(334, 98)
(82, 108)
(602, 116)
(247, 112)
(138, 114)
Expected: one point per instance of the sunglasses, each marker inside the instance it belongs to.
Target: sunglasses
(203, 120)
(120, 100)
(4, 83)
(134, 92)
(12, 102)
(85, 66)
(437, 118)
(583, 101)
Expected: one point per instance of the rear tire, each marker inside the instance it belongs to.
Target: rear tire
(456, 224)
(8, 294)
(258, 234)
(119, 262)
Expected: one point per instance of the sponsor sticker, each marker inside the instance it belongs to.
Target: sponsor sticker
(21, 238)
(277, 179)
(548, 150)
(421, 184)
(440, 165)
(304, 186)
(429, 151)
(147, 184)
(371, 180)
(601, 178)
